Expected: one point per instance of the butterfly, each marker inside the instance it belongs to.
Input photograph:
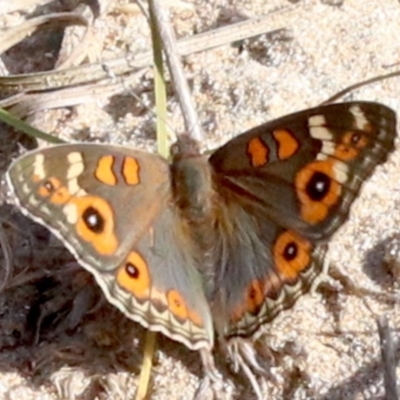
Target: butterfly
(208, 246)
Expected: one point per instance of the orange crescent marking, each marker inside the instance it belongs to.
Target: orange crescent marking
(316, 211)
(104, 172)
(177, 305)
(258, 152)
(287, 143)
(361, 142)
(291, 269)
(104, 242)
(134, 277)
(130, 171)
(44, 191)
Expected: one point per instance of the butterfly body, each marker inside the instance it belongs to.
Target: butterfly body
(221, 243)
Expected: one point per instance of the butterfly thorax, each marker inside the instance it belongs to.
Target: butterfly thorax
(196, 199)
(192, 183)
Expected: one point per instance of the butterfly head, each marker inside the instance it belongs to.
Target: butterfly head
(185, 147)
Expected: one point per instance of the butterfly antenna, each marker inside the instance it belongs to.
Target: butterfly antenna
(358, 85)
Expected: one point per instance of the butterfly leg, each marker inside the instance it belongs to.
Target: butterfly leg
(211, 375)
(244, 358)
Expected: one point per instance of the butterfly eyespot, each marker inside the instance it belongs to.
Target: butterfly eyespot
(175, 299)
(318, 186)
(177, 302)
(290, 252)
(349, 148)
(251, 302)
(132, 270)
(48, 186)
(134, 277)
(291, 255)
(355, 138)
(176, 305)
(179, 308)
(93, 220)
(46, 189)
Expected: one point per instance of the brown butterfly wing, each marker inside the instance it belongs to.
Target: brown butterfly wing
(112, 207)
(286, 187)
(261, 268)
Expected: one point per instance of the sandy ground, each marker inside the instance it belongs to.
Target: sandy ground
(327, 346)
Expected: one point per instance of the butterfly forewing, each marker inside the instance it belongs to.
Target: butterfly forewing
(306, 169)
